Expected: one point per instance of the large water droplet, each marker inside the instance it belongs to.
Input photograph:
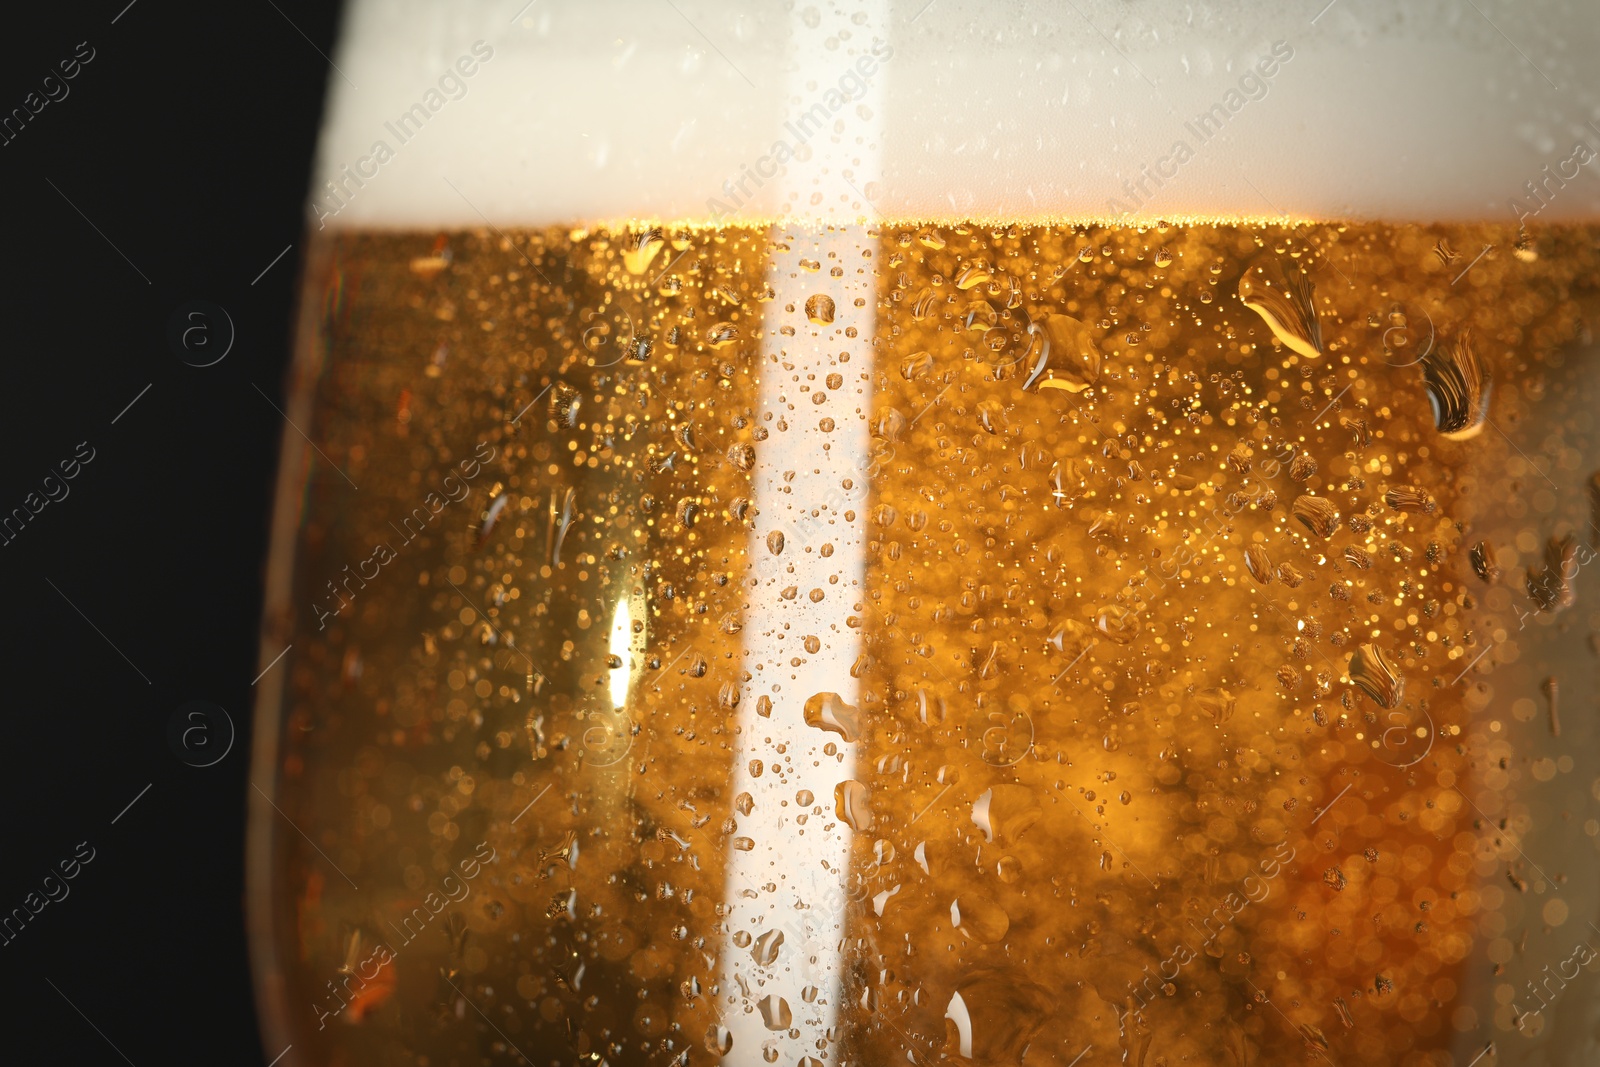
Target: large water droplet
(722, 335)
(1257, 563)
(979, 918)
(828, 711)
(1005, 812)
(766, 948)
(1287, 305)
(1377, 676)
(916, 365)
(775, 1012)
(1062, 354)
(1458, 388)
(1409, 498)
(1317, 514)
(972, 275)
(719, 1040)
(850, 800)
(639, 250)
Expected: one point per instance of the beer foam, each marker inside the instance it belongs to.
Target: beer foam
(1097, 110)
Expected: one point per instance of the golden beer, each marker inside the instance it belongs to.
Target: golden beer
(1211, 687)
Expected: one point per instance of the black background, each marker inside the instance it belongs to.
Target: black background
(187, 141)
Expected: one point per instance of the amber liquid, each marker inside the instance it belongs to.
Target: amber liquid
(1200, 706)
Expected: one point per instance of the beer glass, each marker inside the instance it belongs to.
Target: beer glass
(856, 533)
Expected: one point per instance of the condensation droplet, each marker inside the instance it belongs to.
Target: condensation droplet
(829, 712)
(819, 309)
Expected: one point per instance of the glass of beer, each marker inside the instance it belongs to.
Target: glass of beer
(856, 533)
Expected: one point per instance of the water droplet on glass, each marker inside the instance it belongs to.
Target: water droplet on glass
(1482, 556)
(1005, 812)
(1217, 703)
(775, 1012)
(1287, 305)
(970, 276)
(722, 335)
(1377, 676)
(766, 948)
(719, 1040)
(819, 309)
(1062, 354)
(564, 404)
(990, 415)
(850, 802)
(979, 918)
(828, 711)
(640, 249)
(1458, 388)
(1317, 514)
(1257, 563)
(917, 365)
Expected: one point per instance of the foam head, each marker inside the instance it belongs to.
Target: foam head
(530, 114)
